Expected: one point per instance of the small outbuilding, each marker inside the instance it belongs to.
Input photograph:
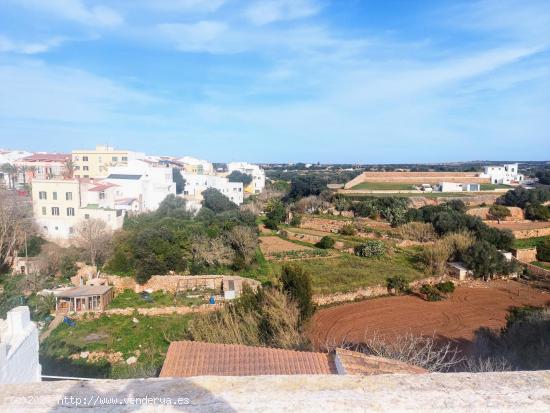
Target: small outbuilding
(84, 298)
(458, 270)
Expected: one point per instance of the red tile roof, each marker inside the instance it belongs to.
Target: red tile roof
(191, 358)
(102, 187)
(47, 157)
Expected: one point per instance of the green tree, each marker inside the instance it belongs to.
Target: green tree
(543, 250)
(297, 283)
(173, 206)
(397, 284)
(275, 213)
(325, 243)
(216, 201)
(179, 180)
(238, 176)
(498, 212)
(484, 260)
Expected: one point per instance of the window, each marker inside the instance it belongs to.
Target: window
(56, 228)
(102, 195)
(85, 168)
(70, 212)
(86, 216)
(54, 196)
(86, 176)
(85, 159)
(55, 211)
(45, 228)
(118, 212)
(115, 158)
(43, 210)
(68, 196)
(77, 168)
(75, 158)
(124, 158)
(42, 195)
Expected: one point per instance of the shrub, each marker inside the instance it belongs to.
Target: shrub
(537, 212)
(498, 212)
(397, 284)
(348, 229)
(371, 248)
(296, 220)
(325, 243)
(484, 260)
(452, 246)
(543, 250)
(417, 231)
(296, 282)
(431, 292)
(275, 213)
(216, 201)
(445, 287)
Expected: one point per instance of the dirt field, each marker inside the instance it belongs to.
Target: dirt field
(519, 226)
(456, 318)
(273, 245)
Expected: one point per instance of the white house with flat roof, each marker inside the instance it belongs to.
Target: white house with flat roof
(258, 175)
(195, 184)
(503, 174)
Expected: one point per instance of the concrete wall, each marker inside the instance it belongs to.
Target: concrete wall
(436, 392)
(19, 348)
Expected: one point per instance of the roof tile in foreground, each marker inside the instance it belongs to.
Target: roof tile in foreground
(190, 358)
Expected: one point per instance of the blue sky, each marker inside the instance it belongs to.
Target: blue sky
(279, 80)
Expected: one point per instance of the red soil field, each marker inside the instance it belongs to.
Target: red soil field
(455, 318)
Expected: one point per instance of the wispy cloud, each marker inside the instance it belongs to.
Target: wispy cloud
(269, 11)
(75, 10)
(11, 46)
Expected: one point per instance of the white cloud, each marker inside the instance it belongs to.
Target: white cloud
(200, 36)
(269, 11)
(184, 5)
(75, 10)
(11, 46)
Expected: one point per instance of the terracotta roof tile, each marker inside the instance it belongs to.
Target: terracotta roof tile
(189, 358)
(359, 363)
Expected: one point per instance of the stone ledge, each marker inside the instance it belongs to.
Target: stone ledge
(453, 392)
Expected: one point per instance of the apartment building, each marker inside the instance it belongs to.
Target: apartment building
(95, 163)
(195, 184)
(43, 166)
(196, 166)
(258, 175)
(503, 174)
(60, 205)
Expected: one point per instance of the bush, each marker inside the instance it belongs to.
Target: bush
(348, 229)
(275, 213)
(431, 292)
(543, 250)
(417, 231)
(445, 287)
(397, 284)
(498, 212)
(484, 260)
(371, 248)
(296, 282)
(452, 246)
(325, 243)
(537, 212)
(216, 201)
(296, 220)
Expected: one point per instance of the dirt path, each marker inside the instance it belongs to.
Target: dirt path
(455, 318)
(55, 322)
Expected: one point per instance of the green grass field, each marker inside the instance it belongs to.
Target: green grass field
(112, 334)
(529, 242)
(492, 187)
(131, 299)
(383, 186)
(545, 265)
(349, 273)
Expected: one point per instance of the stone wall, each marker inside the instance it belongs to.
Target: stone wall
(153, 311)
(516, 214)
(171, 283)
(375, 291)
(313, 239)
(323, 224)
(525, 254)
(531, 233)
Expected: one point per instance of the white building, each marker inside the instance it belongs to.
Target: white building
(19, 348)
(195, 184)
(258, 175)
(143, 182)
(196, 166)
(457, 187)
(503, 174)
